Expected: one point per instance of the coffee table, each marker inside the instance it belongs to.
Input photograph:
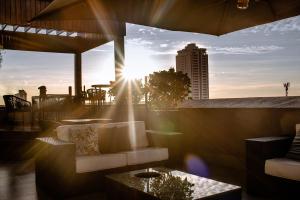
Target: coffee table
(163, 183)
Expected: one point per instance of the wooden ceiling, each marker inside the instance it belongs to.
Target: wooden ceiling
(17, 33)
(216, 17)
(49, 43)
(106, 19)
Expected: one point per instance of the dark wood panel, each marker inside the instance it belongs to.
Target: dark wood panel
(20, 12)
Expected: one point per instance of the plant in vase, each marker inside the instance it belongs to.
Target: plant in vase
(169, 187)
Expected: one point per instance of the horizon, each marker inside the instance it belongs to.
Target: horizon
(253, 62)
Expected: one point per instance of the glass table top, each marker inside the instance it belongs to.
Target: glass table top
(165, 183)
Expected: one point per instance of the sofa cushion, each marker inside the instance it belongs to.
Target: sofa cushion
(137, 133)
(283, 168)
(124, 136)
(294, 152)
(85, 139)
(105, 140)
(113, 140)
(100, 162)
(136, 128)
(146, 155)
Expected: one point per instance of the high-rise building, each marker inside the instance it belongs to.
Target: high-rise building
(194, 61)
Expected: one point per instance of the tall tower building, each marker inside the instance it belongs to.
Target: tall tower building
(194, 61)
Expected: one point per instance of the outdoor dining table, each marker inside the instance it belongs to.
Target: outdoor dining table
(85, 121)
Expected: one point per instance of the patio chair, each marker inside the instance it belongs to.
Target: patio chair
(269, 171)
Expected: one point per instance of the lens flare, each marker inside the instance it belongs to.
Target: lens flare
(196, 165)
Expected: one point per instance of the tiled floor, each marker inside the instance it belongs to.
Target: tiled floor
(17, 182)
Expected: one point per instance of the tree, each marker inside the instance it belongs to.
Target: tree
(167, 88)
(127, 91)
(286, 87)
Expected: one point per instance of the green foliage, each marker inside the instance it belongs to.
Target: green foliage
(169, 187)
(167, 88)
(125, 92)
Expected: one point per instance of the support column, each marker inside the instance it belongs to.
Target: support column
(119, 57)
(77, 74)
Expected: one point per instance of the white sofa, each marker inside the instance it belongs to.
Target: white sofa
(60, 171)
(141, 154)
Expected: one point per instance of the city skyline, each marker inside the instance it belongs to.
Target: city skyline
(247, 63)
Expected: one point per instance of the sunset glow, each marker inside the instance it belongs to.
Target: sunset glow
(259, 59)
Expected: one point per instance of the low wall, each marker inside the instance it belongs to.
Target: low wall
(217, 134)
(215, 137)
(2, 115)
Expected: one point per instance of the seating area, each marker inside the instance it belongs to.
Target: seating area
(186, 100)
(273, 165)
(69, 161)
(89, 151)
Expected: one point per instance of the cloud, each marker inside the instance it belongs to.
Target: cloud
(139, 41)
(171, 48)
(244, 50)
(163, 45)
(172, 52)
(282, 26)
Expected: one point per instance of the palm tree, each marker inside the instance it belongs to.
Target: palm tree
(286, 87)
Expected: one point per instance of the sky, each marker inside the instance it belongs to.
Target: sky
(253, 62)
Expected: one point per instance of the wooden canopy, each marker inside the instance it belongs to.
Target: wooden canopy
(214, 17)
(64, 36)
(106, 19)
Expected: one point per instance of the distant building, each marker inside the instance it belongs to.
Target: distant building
(22, 94)
(194, 61)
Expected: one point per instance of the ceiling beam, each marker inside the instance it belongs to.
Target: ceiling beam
(69, 33)
(15, 28)
(48, 31)
(26, 29)
(49, 43)
(3, 26)
(37, 30)
(58, 33)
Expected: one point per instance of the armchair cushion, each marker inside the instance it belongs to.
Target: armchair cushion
(283, 168)
(100, 162)
(85, 139)
(294, 152)
(146, 155)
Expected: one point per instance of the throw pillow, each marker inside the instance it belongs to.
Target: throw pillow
(85, 139)
(294, 152)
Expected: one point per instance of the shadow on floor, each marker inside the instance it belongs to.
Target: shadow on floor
(17, 182)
